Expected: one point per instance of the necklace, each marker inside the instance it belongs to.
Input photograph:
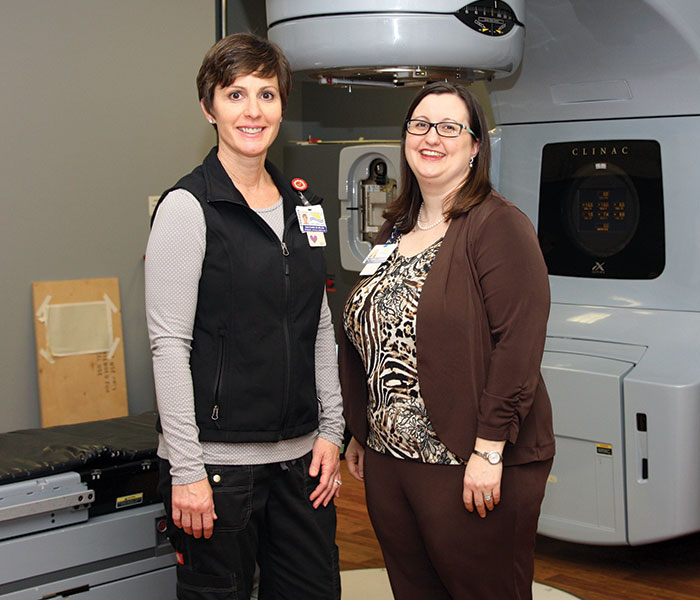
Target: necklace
(426, 227)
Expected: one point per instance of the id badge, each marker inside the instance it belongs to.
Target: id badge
(311, 219)
(376, 257)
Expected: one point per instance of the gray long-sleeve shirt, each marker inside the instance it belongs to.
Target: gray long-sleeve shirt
(173, 267)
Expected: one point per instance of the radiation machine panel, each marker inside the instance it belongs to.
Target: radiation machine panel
(597, 138)
(624, 257)
(598, 147)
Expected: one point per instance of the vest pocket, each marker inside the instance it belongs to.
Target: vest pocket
(218, 381)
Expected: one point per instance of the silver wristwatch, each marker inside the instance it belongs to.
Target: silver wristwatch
(494, 456)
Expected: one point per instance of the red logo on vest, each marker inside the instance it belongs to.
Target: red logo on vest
(180, 558)
(299, 184)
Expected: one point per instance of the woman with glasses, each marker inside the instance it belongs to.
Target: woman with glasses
(440, 367)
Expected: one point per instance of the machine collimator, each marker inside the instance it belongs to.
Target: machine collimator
(597, 114)
(394, 43)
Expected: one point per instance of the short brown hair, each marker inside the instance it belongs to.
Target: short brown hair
(241, 54)
(403, 212)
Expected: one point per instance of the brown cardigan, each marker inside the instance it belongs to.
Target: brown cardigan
(480, 332)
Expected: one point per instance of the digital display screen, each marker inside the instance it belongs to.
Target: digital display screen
(602, 210)
(602, 217)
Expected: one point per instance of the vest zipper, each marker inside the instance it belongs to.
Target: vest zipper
(285, 319)
(285, 323)
(287, 337)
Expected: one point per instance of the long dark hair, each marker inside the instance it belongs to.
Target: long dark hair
(403, 212)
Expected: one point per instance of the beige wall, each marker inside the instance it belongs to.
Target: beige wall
(98, 110)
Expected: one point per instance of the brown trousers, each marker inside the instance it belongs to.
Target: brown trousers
(435, 549)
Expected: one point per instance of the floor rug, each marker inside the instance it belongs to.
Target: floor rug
(373, 584)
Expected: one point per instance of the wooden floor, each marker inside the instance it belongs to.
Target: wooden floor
(663, 571)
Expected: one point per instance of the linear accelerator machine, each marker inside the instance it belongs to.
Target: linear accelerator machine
(598, 112)
(598, 121)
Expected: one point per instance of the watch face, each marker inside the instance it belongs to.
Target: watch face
(494, 457)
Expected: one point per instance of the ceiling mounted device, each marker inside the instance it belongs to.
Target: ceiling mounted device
(399, 43)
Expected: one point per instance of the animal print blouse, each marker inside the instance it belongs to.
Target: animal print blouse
(380, 321)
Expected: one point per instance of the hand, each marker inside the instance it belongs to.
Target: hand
(355, 459)
(193, 508)
(482, 483)
(326, 460)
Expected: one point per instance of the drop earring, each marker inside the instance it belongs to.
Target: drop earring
(471, 162)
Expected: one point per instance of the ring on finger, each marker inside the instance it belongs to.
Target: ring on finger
(338, 482)
(487, 497)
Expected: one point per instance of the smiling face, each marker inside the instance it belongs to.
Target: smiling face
(247, 115)
(440, 164)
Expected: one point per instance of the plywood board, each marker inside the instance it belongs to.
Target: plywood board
(80, 350)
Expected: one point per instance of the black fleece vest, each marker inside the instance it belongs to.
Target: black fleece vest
(253, 349)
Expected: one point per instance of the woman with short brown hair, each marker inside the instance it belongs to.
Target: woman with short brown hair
(244, 353)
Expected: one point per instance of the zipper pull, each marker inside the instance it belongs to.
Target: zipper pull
(215, 413)
(285, 250)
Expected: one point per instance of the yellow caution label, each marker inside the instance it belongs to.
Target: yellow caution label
(130, 500)
(604, 449)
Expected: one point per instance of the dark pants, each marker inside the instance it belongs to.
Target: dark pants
(264, 516)
(434, 548)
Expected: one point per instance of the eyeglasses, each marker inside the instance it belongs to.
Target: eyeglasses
(446, 129)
